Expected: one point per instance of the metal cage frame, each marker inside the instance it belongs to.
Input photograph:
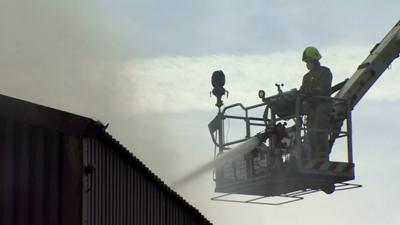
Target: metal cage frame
(292, 197)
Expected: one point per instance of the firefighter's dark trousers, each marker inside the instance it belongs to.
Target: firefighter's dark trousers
(318, 125)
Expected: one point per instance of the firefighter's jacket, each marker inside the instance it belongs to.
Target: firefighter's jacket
(317, 82)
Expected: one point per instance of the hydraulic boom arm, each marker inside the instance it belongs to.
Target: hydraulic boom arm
(379, 59)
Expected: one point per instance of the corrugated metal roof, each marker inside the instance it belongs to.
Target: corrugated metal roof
(72, 124)
(43, 116)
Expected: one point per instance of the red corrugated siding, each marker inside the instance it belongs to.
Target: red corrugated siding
(38, 178)
(122, 194)
(31, 176)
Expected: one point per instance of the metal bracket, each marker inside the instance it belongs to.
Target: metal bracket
(89, 171)
(346, 186)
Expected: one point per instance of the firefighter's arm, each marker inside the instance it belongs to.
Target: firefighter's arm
(302, 87)
(324, 83)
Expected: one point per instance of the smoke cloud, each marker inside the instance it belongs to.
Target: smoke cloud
(66, 55)
(55, 53)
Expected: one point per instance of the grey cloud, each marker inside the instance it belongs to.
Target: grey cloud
(199, 28)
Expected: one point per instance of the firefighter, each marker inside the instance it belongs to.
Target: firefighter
(317, 83)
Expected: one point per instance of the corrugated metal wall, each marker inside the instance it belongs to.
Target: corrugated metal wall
(39, 175)
(119, 193)
(44, 181)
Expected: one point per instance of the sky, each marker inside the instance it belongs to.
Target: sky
(145, 68)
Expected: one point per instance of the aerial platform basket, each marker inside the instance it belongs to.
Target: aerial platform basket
(284, 168)
(306, 175)
(289, 169)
